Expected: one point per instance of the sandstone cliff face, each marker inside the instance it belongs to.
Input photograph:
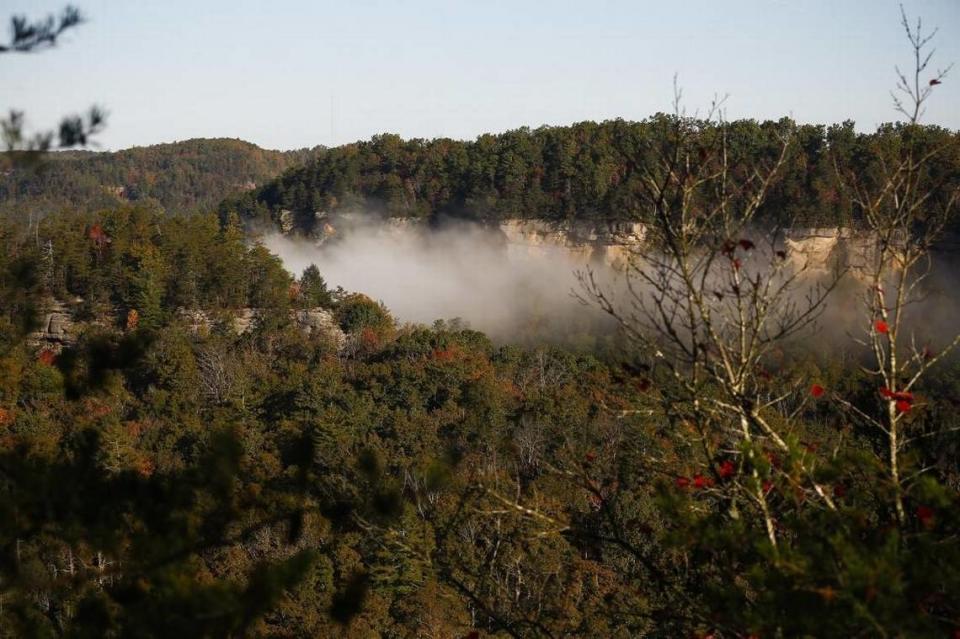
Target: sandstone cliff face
(319, 321)
(607, 244)
(857, 251)
(818, 250)
(60, 329)
(614, 244)
(312, 321)
(57, 328)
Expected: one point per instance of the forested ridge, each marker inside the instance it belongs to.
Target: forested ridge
(587, 172)
(181, 176)
(195, 442)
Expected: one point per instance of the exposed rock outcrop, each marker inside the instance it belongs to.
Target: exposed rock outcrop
(57, 328)
(312, 321)
(585, 243)
(319, 321)
(614, 244)
(823, 249)
(244, 319)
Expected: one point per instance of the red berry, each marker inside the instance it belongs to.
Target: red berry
(727, 469)
(699, 481)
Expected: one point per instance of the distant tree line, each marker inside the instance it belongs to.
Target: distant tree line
(180, 177)
(588, 171)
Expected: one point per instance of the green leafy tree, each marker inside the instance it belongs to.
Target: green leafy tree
(313, 291)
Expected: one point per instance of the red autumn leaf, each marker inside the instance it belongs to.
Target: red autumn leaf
(368, 338)
(96, 233)
(903, 406)
(699, 481)
(767, 486)
(727, 469)
(682, 482)
(145, 467)
(900, 396)
(881, 327)
(737, 263)
(925, 515)
(591, 456)
(98, 236)
(817, 390)
(47, 358)
(444, 354)
(746, 244)
(827, 593)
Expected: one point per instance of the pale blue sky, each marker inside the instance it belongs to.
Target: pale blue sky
(288, 74)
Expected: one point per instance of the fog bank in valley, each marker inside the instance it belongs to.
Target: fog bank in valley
(457, 271)
(520, 292)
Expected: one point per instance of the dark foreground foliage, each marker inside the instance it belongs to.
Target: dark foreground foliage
(156, 480)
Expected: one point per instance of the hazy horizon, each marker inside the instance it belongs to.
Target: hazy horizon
(299, 74)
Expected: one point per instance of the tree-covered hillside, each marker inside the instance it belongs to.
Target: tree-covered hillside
(160, 479)
(587, 171)
(181, 177)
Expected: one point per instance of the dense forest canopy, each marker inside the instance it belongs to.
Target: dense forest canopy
(182, 176)
(590, 172)
(195, 442)
(160, 479)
